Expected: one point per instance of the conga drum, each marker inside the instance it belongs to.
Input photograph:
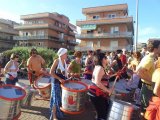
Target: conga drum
(73, 97)
(10, 102)
(43, 85)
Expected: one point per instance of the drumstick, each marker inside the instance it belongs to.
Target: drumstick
(113, 85)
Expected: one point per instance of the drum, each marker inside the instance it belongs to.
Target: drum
(30, 93)
(73, 97)
(10, 99)
(121, 92)
(120, 110)
(43, 85)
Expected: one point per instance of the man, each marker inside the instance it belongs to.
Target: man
(145, 70)
(35, 64)
(153, 110)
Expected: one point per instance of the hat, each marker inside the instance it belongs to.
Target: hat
(61, 51)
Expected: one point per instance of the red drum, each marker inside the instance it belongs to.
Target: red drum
(73, 97)
(10, 102)
(43, 84)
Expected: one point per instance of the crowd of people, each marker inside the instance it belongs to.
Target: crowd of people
(141, 69)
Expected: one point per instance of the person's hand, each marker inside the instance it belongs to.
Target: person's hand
(62, 81)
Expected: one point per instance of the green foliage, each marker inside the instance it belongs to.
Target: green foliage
(47, 54)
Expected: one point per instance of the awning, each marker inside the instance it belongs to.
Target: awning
(88, 27)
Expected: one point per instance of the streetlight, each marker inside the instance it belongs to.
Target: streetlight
(136, 38)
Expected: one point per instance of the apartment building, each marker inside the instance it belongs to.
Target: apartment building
(50, 30)
(106, 27)
(6, 34)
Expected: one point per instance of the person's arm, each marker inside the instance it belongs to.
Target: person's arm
(156, 77)
(43, 63)
(143, 73)
(70, 66)
(52, 71)
(22, 63)
(98, 76)
(6, 68)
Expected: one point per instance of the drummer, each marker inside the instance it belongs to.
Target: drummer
(59, 72)
(89, 66)
(35, 64)
(145, 70)
(153, 110)
(99, 94)
(74, 68)
(11, 69)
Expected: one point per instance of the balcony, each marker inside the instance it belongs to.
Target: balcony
(38, 26)
(73, 42)
(23, 38)
(71, 33)
(30, 26)
(86, 48)
(124, 19)
(105, 35)
(45, 15)
(9, 31)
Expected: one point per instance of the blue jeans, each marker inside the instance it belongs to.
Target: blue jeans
(11, 82)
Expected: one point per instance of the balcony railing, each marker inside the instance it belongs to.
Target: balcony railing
(109, 48)
(123, 19)
(105, 35)
(23, 38)
(30, 26)
(37, 26)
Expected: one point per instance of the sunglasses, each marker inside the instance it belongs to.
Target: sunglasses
(17, 57)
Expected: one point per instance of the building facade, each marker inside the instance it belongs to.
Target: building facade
(106, 27)
(50, 30)
(6, 34)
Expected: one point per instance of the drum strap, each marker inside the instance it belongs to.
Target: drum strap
(97, 91)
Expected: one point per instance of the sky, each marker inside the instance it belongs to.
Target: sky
(148, 22)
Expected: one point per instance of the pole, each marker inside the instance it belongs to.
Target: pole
(136, 38)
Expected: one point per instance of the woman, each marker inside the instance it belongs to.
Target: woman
(89, 66)
(74, 68)
(59, 72)
(153, 110)
(11, 69)
(135, 81)
(98, 92)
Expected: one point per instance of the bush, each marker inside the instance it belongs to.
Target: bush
(47, 54)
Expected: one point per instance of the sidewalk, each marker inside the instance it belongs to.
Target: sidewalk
(39, 110)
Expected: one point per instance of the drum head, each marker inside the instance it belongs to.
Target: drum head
(10, 92)
(43, 81)
(75, 86)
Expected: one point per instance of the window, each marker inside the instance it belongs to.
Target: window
(115, 29)
(96, 17)
(111, 16)
(40, 32)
